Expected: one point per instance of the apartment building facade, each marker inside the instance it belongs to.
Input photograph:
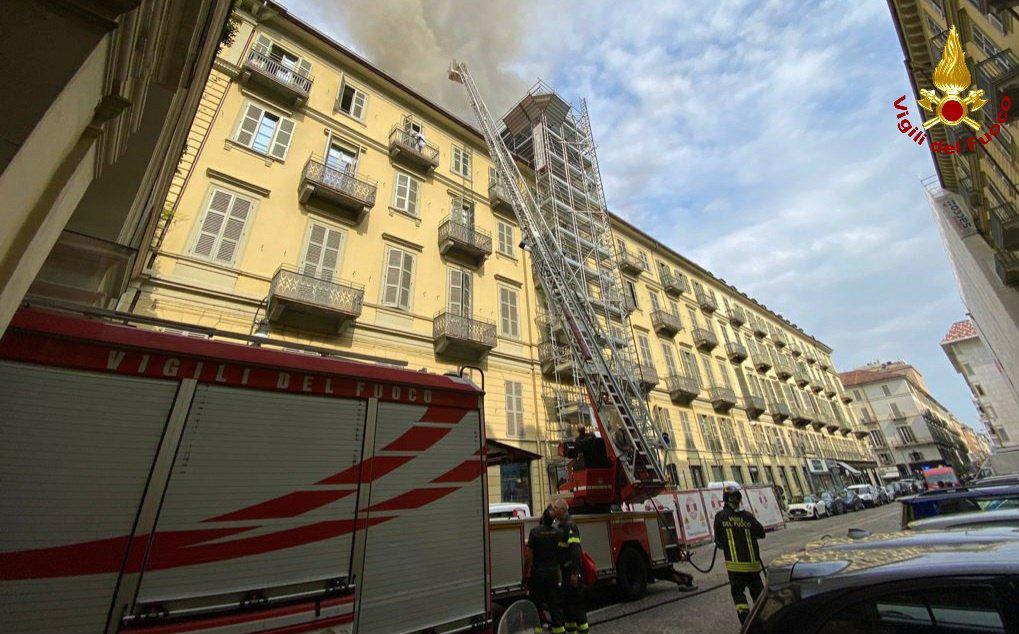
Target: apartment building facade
(976, 194)
(992, 393)
(910, 430)
(330, 207)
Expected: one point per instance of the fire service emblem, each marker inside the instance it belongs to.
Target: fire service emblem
(951, 77)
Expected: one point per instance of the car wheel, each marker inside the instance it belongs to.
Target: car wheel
(631, 574)
(816, 516)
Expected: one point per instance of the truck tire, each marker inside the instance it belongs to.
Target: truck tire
(631, 574)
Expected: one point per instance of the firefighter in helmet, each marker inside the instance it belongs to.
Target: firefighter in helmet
(736, 534)
(541, 571)
(571, 562)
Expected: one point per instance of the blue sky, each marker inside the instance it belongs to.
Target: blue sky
(756, 137)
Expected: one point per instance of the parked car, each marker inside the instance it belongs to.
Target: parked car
(997, 480)
(909, 486)
(1008, 518)
(833, 502)
(852, 500)
(940, 478)
(884, 495)
(867, 493)
(508, 511)
(809, 506)
(958, 500)
(944, 581)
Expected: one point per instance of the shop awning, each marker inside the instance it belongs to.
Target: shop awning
(500, 453)
(850, 470)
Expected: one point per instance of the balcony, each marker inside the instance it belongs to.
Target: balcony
(779, 411)
(861, 434)
(1007, 266)
(570, 405)
(816, 388)
(706, 301)
(831, 424)
(270, 76)
(722, 399)
(801, 416)
(682, 389)
(556, 360)
(783, 369)
(735, 352)
(796, 352)
(830, 391)
(762, 363)
(999, 77)
(498, 197)
(810, 357)
(737, 317)
(309, 303)
(464, 241)
(802, 380)
(630, 263)
(456, 335)
(551, 328)
(754, 406)
(760, 331)
(779, 339)
(647, 377)
(1005, 227)
(412, 150)
(341, 194)
(86, 270)
(674, 284)
(704, 339)
(665, 323)
(847, 398)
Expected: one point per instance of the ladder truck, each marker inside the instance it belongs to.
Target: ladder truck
(634, 472)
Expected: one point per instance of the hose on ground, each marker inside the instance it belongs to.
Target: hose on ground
(714, 554)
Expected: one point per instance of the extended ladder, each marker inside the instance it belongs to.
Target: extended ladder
(618, 402)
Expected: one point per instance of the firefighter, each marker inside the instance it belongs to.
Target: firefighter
(571, 562)
(541, 571)
(736, 534)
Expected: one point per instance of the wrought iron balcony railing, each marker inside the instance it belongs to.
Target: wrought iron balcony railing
(779, 411)
(754, 406)
(735, 352)
(270, 72)
(647, 376)
(631, 263)
(998, 75)
(335, 190)
(498, 196)
(737, 316)
(1005, 227)
(762, 362)
(459, 238)
(779, 339)
(309, 302)
(704, 339)
(760, 330)
(722, 398)
(706, 301)
(459, 335)
(413, 149)
(674, 284)
(682, 389)
(1007, 266)
(783, 368)
(665, 323)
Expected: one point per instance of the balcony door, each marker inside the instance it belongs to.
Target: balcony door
(341, 159)
(463, 213)
(459, 293)
(323, 250)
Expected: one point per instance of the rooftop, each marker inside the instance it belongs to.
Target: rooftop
(960, 330)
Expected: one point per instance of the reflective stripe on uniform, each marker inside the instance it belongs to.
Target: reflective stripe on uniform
(738, 566)
(732, 545)
(583, 627)
(750, 545)
(559, 629)
(742, 607)
(573, 540)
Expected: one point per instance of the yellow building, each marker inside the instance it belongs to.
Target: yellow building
(328, 206)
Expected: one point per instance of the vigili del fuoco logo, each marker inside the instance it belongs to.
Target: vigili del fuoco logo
(948, 106)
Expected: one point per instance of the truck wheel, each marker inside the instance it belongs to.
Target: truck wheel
(631, 574)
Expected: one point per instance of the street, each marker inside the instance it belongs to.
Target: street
(710, 608)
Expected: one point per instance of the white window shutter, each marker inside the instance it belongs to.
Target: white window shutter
(391, 291)
(405, 281)
(455, 303)
(304, 67)
(331, 253)
(357, 105)
(212, 224)
(400, 191)
(412, 196)
(262, 44)
(249, 125)
(283, 136)
(233, 230)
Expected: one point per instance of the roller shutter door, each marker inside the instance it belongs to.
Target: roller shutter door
(76, 449)
(245, 507)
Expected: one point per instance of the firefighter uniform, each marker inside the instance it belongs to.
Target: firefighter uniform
(544, 580)
(736, 534)
(573, 568)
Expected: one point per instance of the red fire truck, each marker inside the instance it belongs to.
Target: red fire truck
(158, 483)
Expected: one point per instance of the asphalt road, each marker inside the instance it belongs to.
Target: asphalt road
(710, 609)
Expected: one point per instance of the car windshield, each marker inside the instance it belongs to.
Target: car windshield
(942, 479)
(809, 499)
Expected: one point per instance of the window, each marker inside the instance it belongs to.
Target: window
(405, 194)
(684, 422)
(877, 438)
(725, 375)
(515, 482)
(985, 43)
(631, 290)
(509, 320)
(857, 395)
(644, 350)
(896, 412)
(461, 210)
(906, 434)
(884, 388)
(265, 132)
(341, 159)
(979, 390)
(654, 300)
(351, 102)
(690, 366)
(664, 272)
(222, 227)
(322, 250)
(670, 361)
(673, 473)
(737, 474)
(960, 608)
(514, 408)
(504, 235)
(643, 260)
(459, 292)
(697, 476)
(717, 473)
(755, 474)
(461, 162)
(397, 279)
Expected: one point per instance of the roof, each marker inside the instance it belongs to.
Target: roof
(960, 330)
(862, 377)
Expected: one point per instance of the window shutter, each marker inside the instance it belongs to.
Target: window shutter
(283, 136)
(357, 105)
(412, 196)
(304, 67)
(405, 280)
(313, 253)
(400, 192)
(233, 230)
(262, 44)
(212, 225)
(455, 304)
(249, 125)
(331, 253)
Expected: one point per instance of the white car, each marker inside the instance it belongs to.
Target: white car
(508, 511)
(810, 507)
(868, 495)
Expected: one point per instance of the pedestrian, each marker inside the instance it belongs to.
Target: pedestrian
(736, 534)
(541, 572)
(571, 564)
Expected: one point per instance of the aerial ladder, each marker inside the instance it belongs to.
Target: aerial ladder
(634, 472)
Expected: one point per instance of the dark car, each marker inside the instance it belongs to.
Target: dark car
(929, 581)
(958, 500)
(834, 503)
(852, 500)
